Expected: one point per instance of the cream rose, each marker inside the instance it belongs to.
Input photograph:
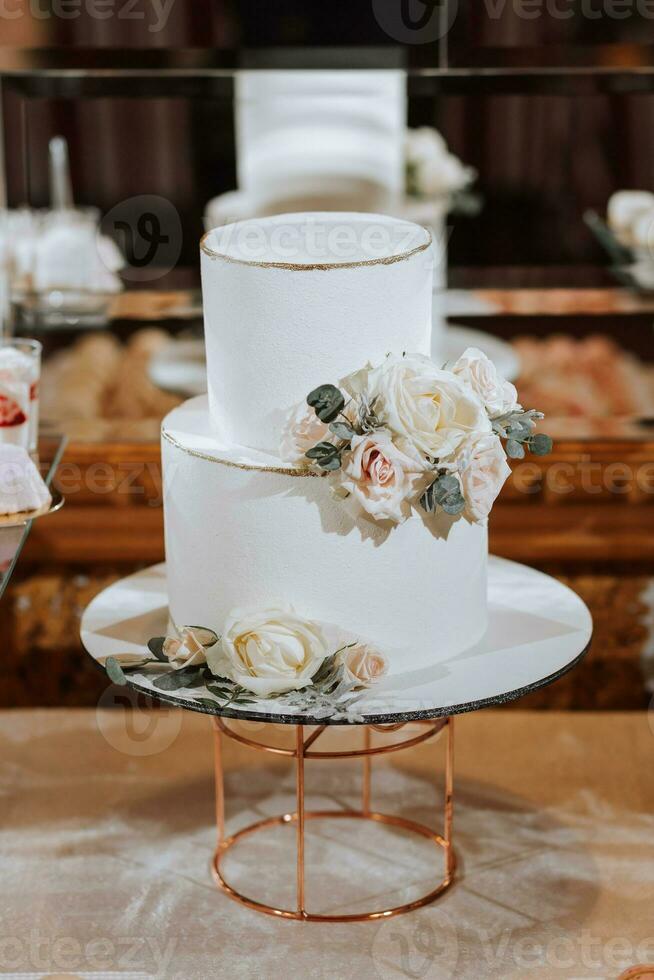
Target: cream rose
(269, 651)
(480, 374)
(185, 651)
(431, 408)
(363, 665)
(303, 430)
(484, 470)
(382, 478)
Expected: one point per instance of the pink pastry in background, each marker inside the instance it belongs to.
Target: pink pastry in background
(20, 371)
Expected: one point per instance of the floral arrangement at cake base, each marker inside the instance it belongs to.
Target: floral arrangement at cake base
(269, 653)
(407, 434)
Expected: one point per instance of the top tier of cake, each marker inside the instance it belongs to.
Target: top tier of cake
(298, 300)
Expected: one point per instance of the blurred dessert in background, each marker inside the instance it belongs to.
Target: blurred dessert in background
(591, 377)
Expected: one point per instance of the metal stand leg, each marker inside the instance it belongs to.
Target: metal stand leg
(220, 783)
(299, 790)
(367, 763)
(300, 752)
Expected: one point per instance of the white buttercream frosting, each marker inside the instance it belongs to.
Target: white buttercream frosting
(295, 301)
(244, 529)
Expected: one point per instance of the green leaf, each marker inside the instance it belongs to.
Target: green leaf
(327, 402)
(155, 646)
(342, 430)
(220, 692)
(322, 449)
(514, 449)
(447, 483)
(331, 463)
(519, 432)
(115, 672)
(454, 503)
(175, 680)
(540, 445)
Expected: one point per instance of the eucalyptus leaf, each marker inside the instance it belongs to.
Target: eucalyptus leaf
(327, 402)
(514, 449)
(519, 432)
(342, 430)
(454, 503)
(540, 445)
(330, 463)
(115, 672)
(448, 482)
(322, 450)
(175, 680)
(220, 692)
(155, 646)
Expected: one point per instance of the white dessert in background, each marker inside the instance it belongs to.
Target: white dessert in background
(49, 250)
(316, 139)
(70, 254)
(244, 527)
(22, 488)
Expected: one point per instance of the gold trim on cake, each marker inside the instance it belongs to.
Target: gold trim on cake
(254, 467)
(316, 266)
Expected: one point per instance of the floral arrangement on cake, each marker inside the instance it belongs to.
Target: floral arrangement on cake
(408, 433)
(269, 652)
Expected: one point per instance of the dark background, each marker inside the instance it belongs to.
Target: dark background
(542, 158)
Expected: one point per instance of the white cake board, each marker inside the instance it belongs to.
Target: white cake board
(538, 630)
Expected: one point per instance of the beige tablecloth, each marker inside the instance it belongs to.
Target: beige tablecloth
(106, 829)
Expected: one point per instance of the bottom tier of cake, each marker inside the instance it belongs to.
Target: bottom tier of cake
(243, 531)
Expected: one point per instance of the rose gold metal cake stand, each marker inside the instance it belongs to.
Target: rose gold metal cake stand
(538, 630)
(303, 751)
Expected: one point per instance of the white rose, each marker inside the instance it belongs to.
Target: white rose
(431, 408)
(363, 665)
(187, 651)
(303, 430)
(269, 651)
(424, 143)
(381, 478)
(484, 469)
(477, 371)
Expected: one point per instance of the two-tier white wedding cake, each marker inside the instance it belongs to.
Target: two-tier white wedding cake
(331, 492)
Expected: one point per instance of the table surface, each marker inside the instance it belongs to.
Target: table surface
(12, 539)
(106, 827)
